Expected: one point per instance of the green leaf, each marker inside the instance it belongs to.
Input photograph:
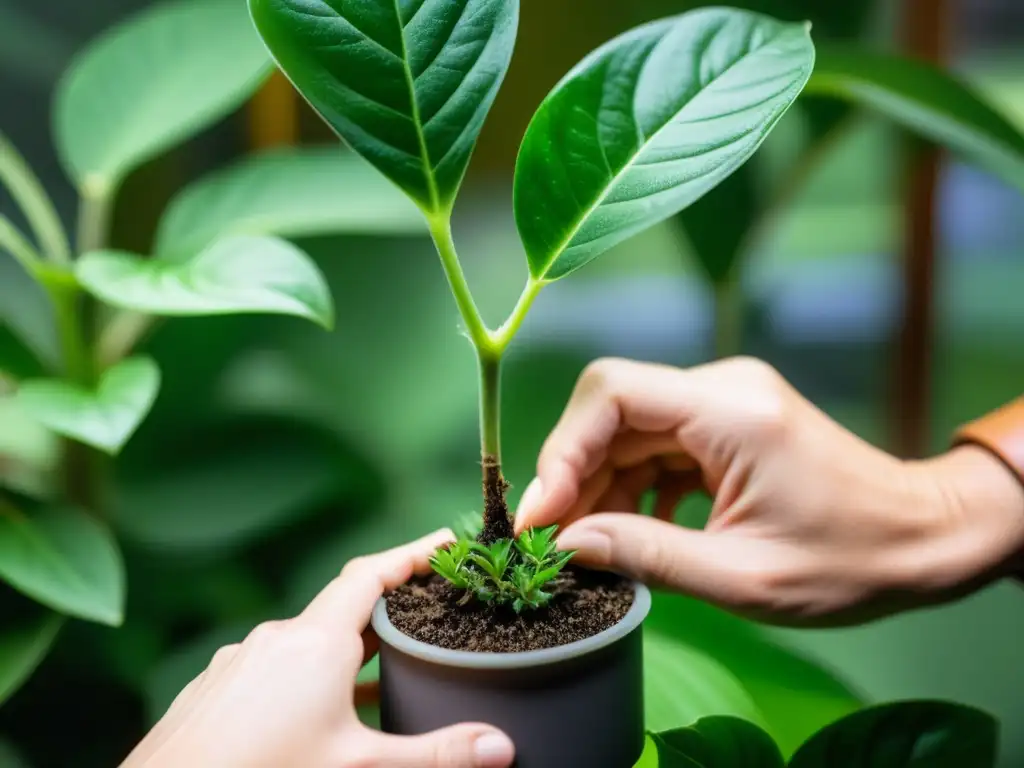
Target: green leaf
(647, 124)
(924, 734)
(232, 276)
(104, 417)
(260, 476)
(16, 359)
(151, 83)
(927, 101)
(789, 696)
(22, 647)
(407, 83)
(683, 684)
(719, 742)
(65, 560)
(290, 193)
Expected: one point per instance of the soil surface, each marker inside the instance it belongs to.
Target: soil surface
(584, 604)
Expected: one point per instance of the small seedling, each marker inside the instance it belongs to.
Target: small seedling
(505, 572)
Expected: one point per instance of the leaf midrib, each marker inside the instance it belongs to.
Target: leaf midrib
(410, 81)
(643, 148)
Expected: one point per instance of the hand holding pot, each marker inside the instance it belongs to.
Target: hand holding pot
(284, 696)
(810, 525)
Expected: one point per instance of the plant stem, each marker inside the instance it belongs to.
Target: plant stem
(502, 337)
(728, 330)
(441, 232)
(16, 244)
(76, 321)
(490, 406)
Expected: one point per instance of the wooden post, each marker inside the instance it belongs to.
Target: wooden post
(274, 115)
(924, 35)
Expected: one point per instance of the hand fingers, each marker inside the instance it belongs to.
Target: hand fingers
(345, 605)
(699, 564)
(461, 746)
(611, 395)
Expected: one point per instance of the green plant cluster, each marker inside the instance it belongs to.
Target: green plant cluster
(505, 572)
(900, 734)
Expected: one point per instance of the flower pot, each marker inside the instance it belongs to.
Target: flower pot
(579, 704)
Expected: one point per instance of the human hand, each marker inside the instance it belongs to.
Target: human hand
(284, 696)
(810, 525)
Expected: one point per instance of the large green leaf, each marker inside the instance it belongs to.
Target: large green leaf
(683, 684)
(649, 123)
(407, 83)
(924, 100)
(23, 645)
(103, 417)
(231, 484)
(153, 82)
(232, 276)
(794, 697)
(290, 193)
(912, 734)
(65, 560)
(718, 742)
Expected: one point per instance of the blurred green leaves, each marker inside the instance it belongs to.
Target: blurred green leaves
(917, 734)
(408, 85)
(717, 742)
(649, 123)
(300, 192)
(152, 82)
(105, 416)
(234, 275)
(925, 100)
(23, 645)
(65, 560)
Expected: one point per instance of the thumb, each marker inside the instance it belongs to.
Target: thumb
(460, 746)
(696, 563)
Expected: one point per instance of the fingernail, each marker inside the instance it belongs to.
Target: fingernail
(593, 545)
(493, 750)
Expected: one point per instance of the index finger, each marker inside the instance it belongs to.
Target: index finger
(346, 603)
(610, 395)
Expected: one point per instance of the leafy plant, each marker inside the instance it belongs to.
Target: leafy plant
(504, 572)
(905, 734)
(78, 381)
(641, 128)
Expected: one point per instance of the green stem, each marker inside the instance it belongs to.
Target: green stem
(16, 244)
(728, 331)
(502, 337)
(490, 406)
(76, 311)
(441, 231)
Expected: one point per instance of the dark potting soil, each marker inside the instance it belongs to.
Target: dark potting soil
(585, 603)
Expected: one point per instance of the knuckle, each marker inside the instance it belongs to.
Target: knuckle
(266, 632)
(601, 375)
(356, 566)
(224, 655)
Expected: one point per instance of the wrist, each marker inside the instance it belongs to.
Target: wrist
(978, 505)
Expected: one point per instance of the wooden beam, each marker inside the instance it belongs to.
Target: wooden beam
(924, 34)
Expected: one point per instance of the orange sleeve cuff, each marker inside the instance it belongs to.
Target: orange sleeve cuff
(1001, 432)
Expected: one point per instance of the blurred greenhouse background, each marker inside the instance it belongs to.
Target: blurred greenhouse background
(277, 451)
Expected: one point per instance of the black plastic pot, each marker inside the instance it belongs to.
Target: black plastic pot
(579, 704)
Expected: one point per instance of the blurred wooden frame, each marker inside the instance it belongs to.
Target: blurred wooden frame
(273, 115)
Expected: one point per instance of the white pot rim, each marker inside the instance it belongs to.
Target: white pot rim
(391, 636)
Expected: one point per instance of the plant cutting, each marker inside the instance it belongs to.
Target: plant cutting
(641, 128)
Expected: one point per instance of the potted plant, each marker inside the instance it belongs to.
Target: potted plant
(642, 127)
